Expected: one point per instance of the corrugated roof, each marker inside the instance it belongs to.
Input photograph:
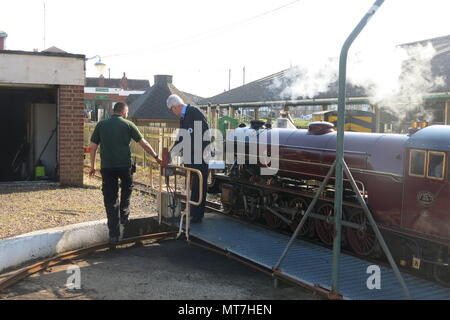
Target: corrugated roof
(265, 90)
(195, 99)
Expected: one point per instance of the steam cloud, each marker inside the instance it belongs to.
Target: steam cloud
(307, 81)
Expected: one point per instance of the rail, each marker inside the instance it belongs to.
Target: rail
(74, 254)
(186, 214)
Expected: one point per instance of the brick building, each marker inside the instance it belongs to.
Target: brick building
(42, 106)
(100, 94)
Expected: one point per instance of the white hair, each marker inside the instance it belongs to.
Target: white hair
(174, 100)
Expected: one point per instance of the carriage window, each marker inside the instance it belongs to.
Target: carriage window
(448, 167)
(417, 163)
(436, 165)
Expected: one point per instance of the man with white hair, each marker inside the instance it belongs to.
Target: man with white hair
(194, 126)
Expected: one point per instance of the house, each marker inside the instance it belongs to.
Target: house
(100, 94)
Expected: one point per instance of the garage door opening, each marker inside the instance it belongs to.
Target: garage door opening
(28, 129)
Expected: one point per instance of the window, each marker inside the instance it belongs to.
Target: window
(436, 165)
(417, 163)
(448, 167)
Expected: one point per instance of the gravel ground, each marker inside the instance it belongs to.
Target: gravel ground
(27, 208)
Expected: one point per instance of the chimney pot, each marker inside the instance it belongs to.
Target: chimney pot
(124, 82)
(101, 81)
(3, 37)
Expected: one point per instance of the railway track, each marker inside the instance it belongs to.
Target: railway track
(74, 254)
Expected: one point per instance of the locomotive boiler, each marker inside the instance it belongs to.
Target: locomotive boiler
(404, 179)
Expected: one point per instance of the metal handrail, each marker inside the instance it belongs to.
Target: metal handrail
(189, 202)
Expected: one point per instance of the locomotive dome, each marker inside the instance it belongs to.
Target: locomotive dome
(436, 137)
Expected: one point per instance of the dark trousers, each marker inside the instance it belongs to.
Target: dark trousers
(198, 211)
(114, 207)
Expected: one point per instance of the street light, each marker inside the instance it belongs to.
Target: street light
(99, 65)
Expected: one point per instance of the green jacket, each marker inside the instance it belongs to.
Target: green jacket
(114, 137)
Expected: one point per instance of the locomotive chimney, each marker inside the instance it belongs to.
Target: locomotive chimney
(256, 124)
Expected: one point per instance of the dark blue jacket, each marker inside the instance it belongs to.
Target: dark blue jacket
(193, 120)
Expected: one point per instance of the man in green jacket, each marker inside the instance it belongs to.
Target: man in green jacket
(114, 136)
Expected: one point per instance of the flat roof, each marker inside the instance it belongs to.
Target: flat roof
(47, 54)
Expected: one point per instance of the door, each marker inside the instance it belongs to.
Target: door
(45, 141)
(426, 192)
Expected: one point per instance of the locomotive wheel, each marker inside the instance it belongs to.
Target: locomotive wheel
(308, 228)
(324, 230)
(363, 242)
(442, 275)
(252, 212)
(272, 220)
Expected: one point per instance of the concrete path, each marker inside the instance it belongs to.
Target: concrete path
(168, 270)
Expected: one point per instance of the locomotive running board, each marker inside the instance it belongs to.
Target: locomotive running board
(309, 264)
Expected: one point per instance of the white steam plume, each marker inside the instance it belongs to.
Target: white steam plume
(307, 80)
(395, 78)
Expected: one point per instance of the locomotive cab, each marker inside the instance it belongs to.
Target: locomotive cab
(426, 187)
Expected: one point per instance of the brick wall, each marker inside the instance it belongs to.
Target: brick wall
(71, 107)
(112, 97)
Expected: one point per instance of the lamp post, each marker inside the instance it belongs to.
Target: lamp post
(99, 65)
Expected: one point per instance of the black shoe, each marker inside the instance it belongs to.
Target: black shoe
(196, 220)
(124, 220)
(113, 240)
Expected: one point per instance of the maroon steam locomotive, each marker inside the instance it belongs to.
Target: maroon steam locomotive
(405, 180)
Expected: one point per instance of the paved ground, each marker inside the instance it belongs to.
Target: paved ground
(167, 270)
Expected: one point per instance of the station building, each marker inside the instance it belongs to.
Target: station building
(100, 94)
